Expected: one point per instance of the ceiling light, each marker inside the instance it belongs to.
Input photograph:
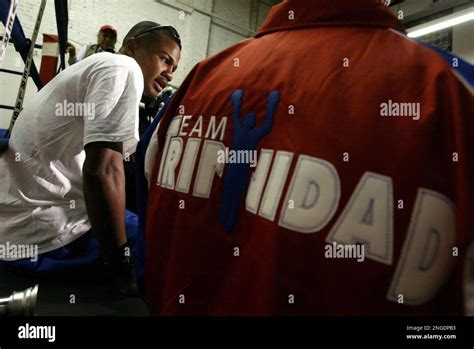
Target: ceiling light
(442, 23)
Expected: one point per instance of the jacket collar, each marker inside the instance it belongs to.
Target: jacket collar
(295, 14)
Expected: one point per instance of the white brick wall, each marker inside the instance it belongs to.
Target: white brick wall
(462, 34)
(202, 34)
(463, 41)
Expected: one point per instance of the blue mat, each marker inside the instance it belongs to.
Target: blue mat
(3, 140)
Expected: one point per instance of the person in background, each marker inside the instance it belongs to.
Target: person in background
(106, 40)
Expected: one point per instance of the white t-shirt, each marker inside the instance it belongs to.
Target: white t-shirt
(41, 196)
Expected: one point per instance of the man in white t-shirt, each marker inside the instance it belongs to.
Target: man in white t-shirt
(63, 171)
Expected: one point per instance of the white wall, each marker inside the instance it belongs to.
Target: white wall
(463, 41)
(463, 34)
(205, 26)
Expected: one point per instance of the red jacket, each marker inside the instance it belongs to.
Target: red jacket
(371, 144)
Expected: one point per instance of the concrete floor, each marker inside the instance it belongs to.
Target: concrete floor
(92, 297)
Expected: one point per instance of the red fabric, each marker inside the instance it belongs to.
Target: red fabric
(337, 110)
(49, 64)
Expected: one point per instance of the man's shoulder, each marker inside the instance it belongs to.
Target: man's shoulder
(107, 59)
(412, 52)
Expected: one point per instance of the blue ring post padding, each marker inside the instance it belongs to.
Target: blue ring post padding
(3, 144)
(19, 39)
(3, 133)
(3, 140)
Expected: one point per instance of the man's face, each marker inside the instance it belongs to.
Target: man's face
(158, 62)
(107, 39)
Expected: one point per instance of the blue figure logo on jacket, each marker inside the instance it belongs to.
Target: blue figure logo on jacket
(245, 137)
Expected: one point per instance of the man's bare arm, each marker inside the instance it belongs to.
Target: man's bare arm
(104, 193)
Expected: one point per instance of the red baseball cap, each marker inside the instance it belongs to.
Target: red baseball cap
(108, 27)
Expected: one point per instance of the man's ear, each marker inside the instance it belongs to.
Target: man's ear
(131, 47)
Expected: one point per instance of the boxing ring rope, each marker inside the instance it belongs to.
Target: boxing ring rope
(19, 40)
(26, 48)
(26, 72)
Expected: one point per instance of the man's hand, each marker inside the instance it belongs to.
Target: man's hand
(71, 49)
